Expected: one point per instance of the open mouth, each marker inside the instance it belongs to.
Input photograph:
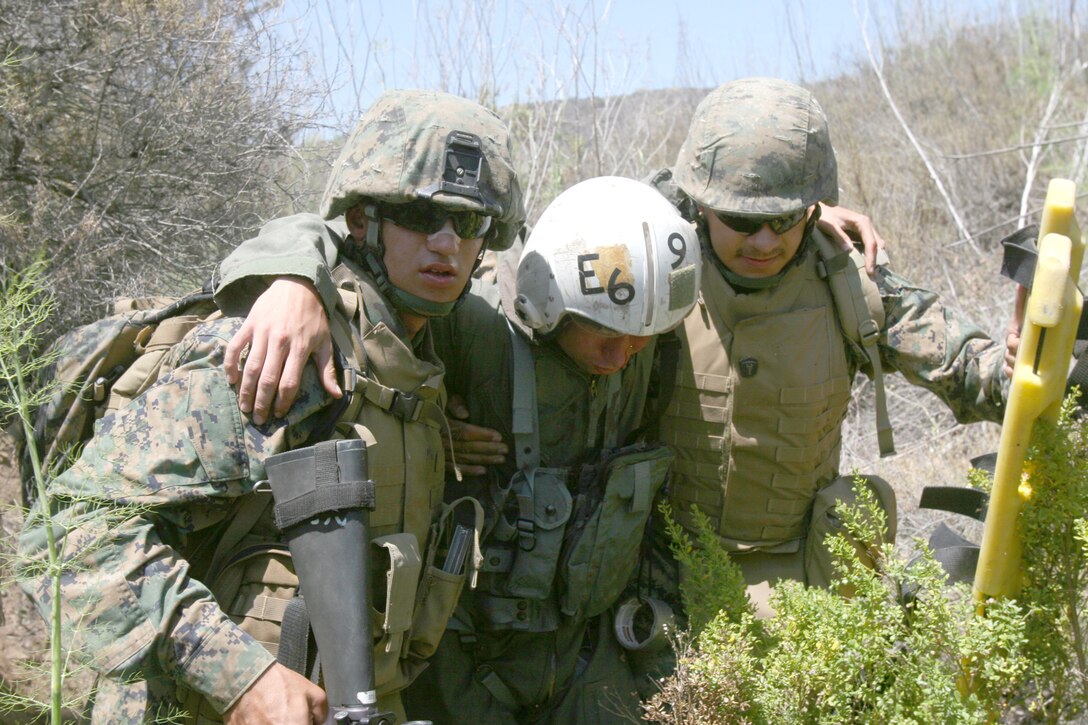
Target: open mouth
(440, 271)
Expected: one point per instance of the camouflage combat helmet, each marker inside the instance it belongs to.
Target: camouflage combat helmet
(426, 145)
(758, 146)
(412, 145)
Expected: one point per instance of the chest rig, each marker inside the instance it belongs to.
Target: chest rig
(564, 540)
(394, 402)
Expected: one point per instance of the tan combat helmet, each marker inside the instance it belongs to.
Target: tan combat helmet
(758, 146)
(412, 145)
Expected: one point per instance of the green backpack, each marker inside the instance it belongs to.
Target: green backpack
(101, 366)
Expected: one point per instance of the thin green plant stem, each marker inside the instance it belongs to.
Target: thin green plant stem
(12, 372)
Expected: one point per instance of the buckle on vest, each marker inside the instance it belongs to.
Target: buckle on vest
(406, 406)
(350, 379)
(868, 331)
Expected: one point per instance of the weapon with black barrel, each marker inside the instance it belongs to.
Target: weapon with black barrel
(323, 502)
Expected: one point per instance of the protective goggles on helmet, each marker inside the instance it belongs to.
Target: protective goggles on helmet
(427, 218)
(745, 224)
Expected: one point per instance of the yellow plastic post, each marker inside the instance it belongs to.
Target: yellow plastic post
(1051, 317)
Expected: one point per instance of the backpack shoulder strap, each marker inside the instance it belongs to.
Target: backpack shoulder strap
(244, 514)
(861, 316)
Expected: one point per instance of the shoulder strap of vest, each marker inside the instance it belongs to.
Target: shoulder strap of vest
(526, 425)
(861, 315)
(526, 443)
(661, 388)
(348, 355)
(525, 428)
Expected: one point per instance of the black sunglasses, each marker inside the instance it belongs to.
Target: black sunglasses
(745, 224)
(427, 218)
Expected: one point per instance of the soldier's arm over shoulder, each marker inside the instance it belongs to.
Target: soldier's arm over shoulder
(159, 476)
(937, 347)
(301, 245)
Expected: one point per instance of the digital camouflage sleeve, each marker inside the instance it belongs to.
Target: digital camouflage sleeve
(150, 490)
(936, 347)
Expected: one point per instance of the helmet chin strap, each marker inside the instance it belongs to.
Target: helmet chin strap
(374, 258)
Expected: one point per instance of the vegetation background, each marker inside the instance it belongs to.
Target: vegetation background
(139, 142)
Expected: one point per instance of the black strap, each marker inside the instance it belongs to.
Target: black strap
(986, 462)
(1079, 374)
(294, 648)
(204, 294)
(1019, 255)
(957, 555)
(1018, 264)
(956, 499)
(959, 562)
(332, 414)
(329, 493)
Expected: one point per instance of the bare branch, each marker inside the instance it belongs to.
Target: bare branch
(936, 177)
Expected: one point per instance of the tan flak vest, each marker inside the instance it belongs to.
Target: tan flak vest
(402, 401)
(397, 407)
(763, 384)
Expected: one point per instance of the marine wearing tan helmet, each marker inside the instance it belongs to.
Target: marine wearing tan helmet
(787, 320)
(758, 146)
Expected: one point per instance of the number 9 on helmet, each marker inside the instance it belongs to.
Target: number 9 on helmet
(612, 251)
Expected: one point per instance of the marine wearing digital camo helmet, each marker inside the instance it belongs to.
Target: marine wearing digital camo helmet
(783, 324)
(554, 352)
(177, 577)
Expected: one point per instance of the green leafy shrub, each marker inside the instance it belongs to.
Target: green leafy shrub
(903, 648)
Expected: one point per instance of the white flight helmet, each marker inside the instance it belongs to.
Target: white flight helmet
(612, 251)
